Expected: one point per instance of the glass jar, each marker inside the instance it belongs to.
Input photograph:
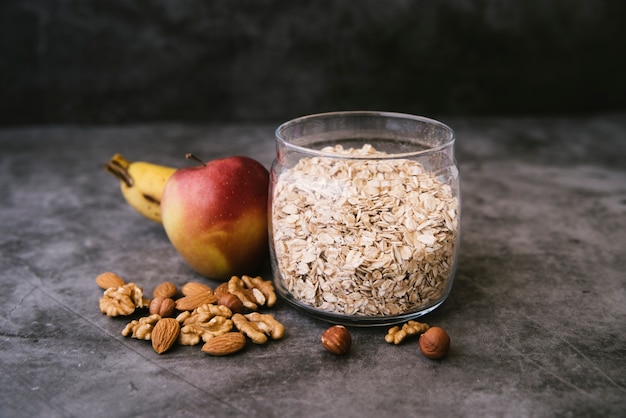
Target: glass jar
(364, 216)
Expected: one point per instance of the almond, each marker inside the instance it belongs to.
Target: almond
(164, 334)
(165, 290)
(191, 302)
(193, 288)
(108, 280)
(225, 344)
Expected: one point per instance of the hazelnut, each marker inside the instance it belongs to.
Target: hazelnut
(435, 343)
(232, 302)
(164, 307)
(337, 339)
(221, 290)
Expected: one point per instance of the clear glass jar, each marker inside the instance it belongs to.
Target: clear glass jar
(364, 216)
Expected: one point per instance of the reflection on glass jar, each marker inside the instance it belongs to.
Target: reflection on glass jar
(364, 216)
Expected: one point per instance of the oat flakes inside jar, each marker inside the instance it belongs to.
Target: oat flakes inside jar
(364, 216)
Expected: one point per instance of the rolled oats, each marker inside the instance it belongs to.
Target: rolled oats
(364, 236)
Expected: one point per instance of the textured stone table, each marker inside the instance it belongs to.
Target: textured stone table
(537, 315)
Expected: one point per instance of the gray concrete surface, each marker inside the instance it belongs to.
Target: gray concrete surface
(537, 315)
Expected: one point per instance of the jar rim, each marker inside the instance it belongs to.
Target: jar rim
(290, 124)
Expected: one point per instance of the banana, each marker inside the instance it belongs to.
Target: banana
(141, 183)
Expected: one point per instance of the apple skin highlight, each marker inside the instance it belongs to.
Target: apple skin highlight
(215, 216)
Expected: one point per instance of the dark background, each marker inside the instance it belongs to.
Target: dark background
(123, 61)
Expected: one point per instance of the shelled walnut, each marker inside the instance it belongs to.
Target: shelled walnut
(204, 323)
(253, 291)
(122, 300)
(258, 326)
(397, 335)
(141, 328)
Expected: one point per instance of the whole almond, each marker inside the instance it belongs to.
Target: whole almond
(193, 288)
(191, 302)
(165, 290)
(225, 344)
(232, 302)
(108, 280)
(164, 334)
(164, 307)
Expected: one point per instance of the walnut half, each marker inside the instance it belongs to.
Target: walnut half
(122, 300)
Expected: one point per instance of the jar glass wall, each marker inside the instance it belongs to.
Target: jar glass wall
(364, 216)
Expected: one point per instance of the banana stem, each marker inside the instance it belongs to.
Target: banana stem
(118, 166)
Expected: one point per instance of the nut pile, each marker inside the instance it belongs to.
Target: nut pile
(367, 236)
(223, 319)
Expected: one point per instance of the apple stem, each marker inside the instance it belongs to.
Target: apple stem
(190, 156)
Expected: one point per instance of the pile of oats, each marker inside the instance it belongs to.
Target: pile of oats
(365, 237)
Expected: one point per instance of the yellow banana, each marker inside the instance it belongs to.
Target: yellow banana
(141, 183)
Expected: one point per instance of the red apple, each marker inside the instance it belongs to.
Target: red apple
(215, 216)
